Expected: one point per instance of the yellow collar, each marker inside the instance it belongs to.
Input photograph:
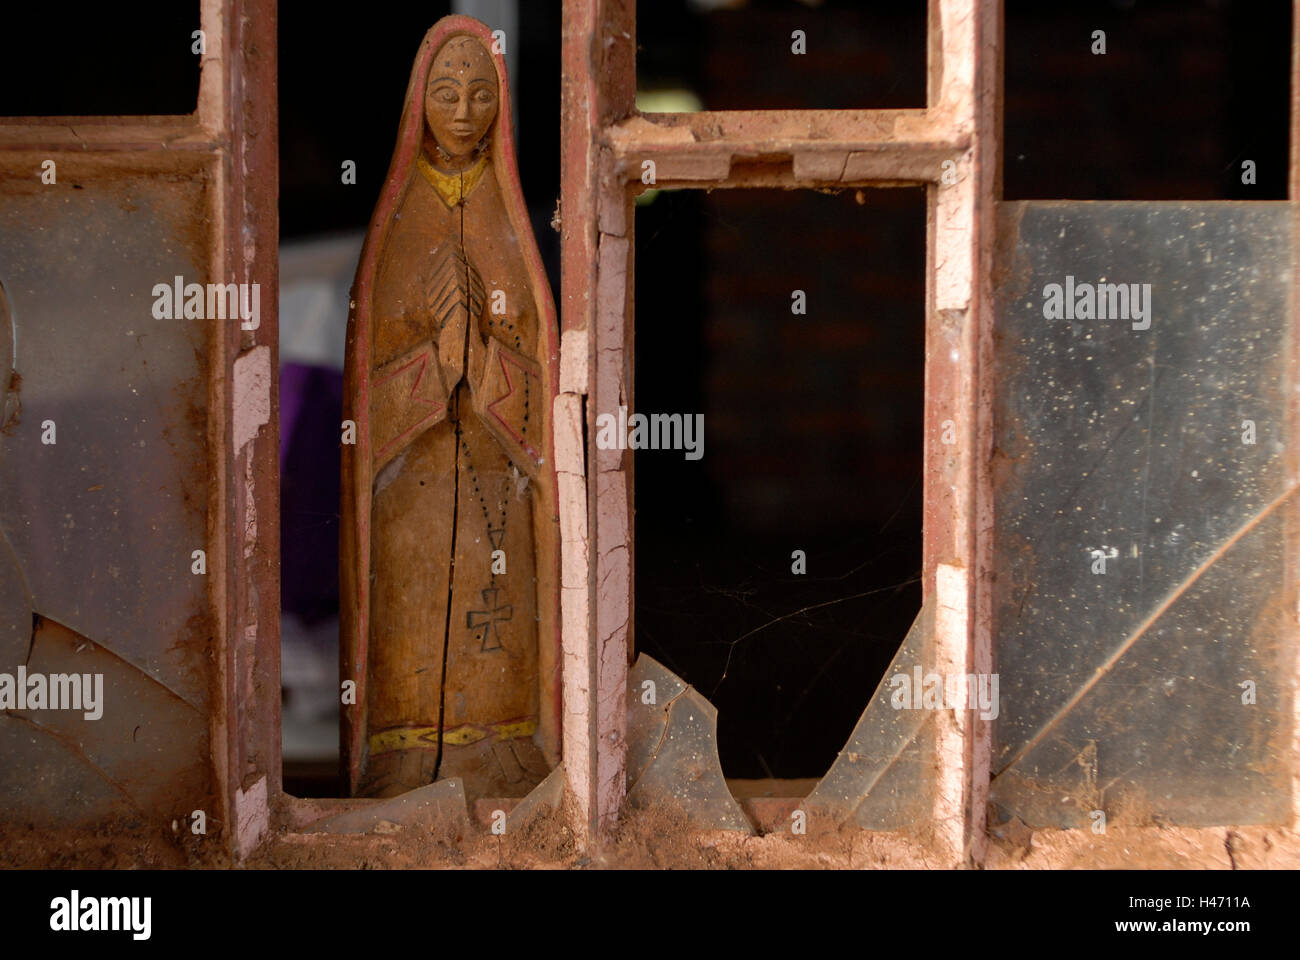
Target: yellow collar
(452, 187)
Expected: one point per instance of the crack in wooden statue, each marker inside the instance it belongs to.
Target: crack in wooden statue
(449, 562)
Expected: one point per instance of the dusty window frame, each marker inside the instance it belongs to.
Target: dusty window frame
(230, 142)
(605, 142)
(232, 135)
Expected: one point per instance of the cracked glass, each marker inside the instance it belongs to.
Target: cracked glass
(103, 491)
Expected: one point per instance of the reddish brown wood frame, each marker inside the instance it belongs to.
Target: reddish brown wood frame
(605, 142)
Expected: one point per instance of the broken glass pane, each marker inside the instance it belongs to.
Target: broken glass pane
(884, 776)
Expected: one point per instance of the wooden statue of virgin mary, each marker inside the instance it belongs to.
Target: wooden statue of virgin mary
(449, 547)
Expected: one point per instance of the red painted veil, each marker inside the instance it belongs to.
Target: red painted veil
(358, 472)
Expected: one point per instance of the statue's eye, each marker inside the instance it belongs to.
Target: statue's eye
(447, 96)
(484, 96)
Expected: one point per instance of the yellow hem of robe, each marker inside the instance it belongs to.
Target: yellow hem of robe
(411, 738)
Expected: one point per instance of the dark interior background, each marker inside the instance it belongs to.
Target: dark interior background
(812, 422)
(1186, 91)
(813, 437)
(812, 442)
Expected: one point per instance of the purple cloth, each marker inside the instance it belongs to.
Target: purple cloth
(311, 416)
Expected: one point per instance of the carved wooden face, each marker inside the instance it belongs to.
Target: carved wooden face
(460, 101)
